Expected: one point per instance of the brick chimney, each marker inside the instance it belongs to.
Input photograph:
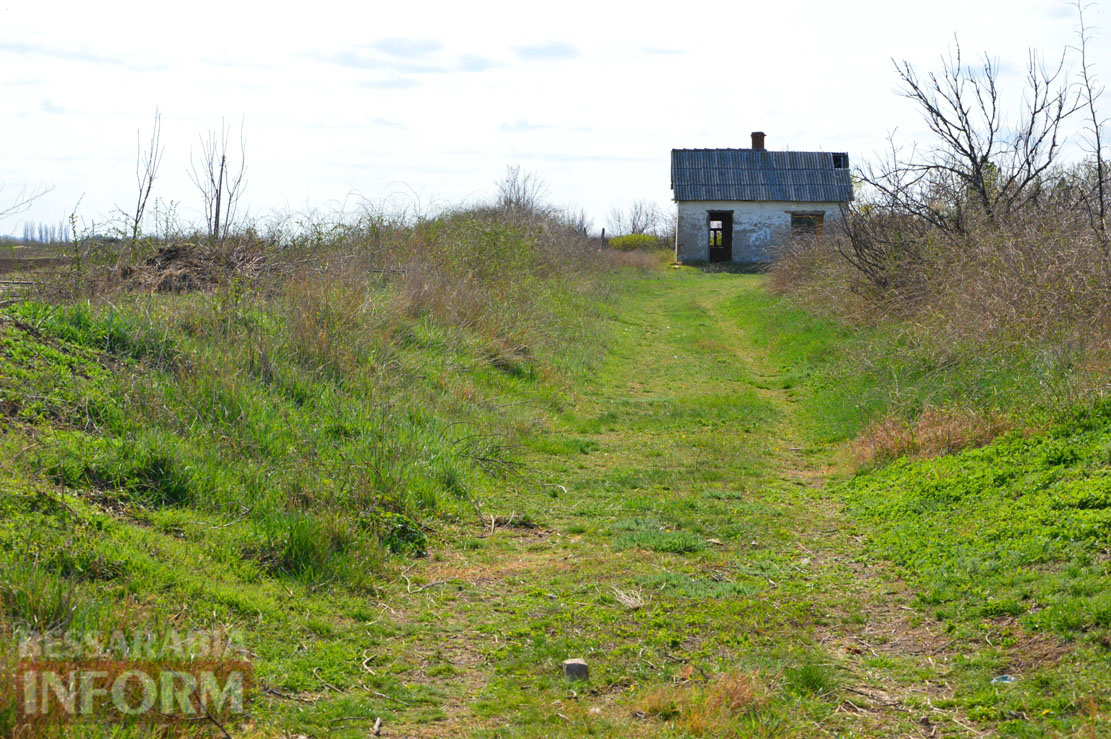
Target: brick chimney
(757, 139)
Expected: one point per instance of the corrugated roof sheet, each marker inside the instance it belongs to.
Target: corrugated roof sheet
(759, 174)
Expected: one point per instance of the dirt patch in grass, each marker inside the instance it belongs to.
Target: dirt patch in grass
(453, 662)
(1034, 651)
(465, 567)
(884, 632)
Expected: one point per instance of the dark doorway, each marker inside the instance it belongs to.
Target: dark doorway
(721, 235)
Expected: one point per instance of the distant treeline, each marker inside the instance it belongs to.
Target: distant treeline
(45, 233)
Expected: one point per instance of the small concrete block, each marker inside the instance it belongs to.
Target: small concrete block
(575, 669)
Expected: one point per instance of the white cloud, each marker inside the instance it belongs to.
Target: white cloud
(547, 51)
(522, 127)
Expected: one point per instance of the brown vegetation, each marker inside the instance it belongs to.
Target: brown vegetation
(1039, 275)
(715, 708)
(934, 433)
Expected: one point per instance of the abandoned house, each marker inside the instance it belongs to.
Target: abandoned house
(738, 205)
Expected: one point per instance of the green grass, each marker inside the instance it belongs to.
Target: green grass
(1006, 549)
(1019, 528)
(418, 518)
(855, 375)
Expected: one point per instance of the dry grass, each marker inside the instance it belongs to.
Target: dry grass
(632, 598)
(814, 272)
(1041, 275)
(935, 432)
(715, 709)
(646, 260)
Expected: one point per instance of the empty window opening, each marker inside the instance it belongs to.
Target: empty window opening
(715, 233)
(806, 224)
(721, 235)
(840, 161)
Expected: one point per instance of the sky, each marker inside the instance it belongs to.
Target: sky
(423, 105)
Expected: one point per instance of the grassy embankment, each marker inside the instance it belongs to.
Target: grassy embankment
(262, 455)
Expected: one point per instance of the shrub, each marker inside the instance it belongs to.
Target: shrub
(403, 536)
(631, 242)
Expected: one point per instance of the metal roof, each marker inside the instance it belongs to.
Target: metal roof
(759, 174)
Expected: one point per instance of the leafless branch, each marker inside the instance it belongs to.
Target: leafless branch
(642, 217)
(977, 163)
(22, 200)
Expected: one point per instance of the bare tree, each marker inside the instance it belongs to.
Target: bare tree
(220, 182)
(1090, 92)
(979, 165)
(978, 162)
(147, 162)
(668, 225)
(642, 217)
(575, 219)
(525, 191)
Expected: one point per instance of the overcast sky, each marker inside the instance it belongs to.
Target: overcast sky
(430, 101)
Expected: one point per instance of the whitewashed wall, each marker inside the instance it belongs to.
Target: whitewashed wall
(758, 227)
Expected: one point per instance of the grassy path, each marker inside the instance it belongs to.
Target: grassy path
(673, 532)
